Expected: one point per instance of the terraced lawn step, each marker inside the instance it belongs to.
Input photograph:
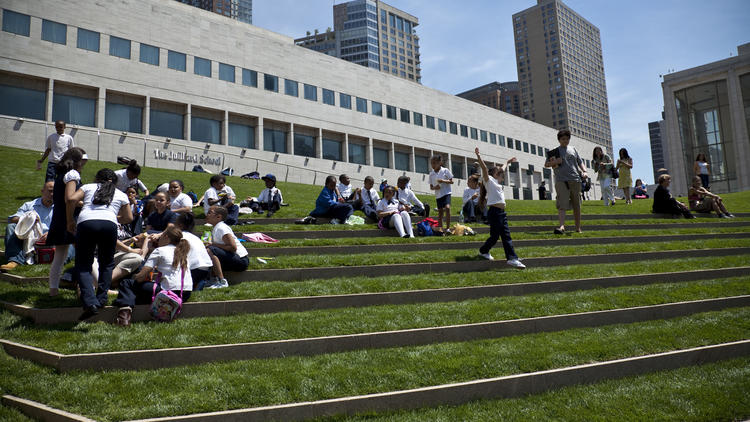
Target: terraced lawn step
(309, 303)
(332, 234)
(262, 220)
(162, 358)
(431, 246)
(472, 265)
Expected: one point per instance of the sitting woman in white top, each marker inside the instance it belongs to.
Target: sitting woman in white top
(178, 201)
(496, 214)
(198, 260)
(128, 177)
(392, 214)
(96, 231)
(225, 250)
(169, 261)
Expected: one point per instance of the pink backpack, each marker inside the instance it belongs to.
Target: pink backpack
(166, 305)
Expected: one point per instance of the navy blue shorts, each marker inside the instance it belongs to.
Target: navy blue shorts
(443, 201)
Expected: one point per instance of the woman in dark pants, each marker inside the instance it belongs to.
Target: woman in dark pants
(96, 231)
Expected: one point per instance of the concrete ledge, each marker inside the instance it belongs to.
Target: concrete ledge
(162, 358)
(41, 412)
(490, 388)
(472, 265)
(308, 303)
(432, 246)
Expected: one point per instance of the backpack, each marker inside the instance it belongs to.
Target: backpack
(227, 171)
(424, 228)
(193, 196)
(166, 305)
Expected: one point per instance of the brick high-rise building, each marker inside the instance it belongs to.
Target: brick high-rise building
(502, 96)
(241, 10)
(560, 71)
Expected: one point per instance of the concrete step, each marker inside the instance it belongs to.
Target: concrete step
(358, 300)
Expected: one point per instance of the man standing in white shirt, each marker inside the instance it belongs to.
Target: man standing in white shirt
(56, 144)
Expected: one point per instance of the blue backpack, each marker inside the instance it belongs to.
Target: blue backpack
(424, 229)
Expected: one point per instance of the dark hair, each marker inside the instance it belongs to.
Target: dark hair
(179, 182)
(638, 180)
(701, 155)
(106, 178)
(474, 177)
(593, 154)
(220, 211)
(216, 178)
(341, 178)
(330, 179)
(186, 221)
(492, 171)
(564, 132)
(183, 247)
(436, 157)
(370, 179)
(134, 168)
(624, 152)
(69, 160)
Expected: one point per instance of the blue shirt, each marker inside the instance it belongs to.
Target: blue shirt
(45, 213)
(326, 200)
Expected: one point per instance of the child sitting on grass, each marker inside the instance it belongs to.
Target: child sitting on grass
(472, 208)
(222, 195)
(405, 196)
(162, 216)
(225, 250)
(179, 202)
(393, 214)
(270, 198)
(328, 204)
(368, 198)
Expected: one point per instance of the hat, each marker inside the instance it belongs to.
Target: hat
(85, 157)
(383, 180)
(404, 179)
(269, 176)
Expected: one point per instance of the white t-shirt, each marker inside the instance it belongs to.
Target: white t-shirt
(181, 201)
(58, 145)
(218, 237)
(198, 257)
(406, 196)
(370, 197)
(267, 195)
(123, 182)
(468, 192)
(100, 212)
(71, 175)
(345, 190)
(171, 278)
(386, 206)
(213, 194)
(495, 193)
(443, 174)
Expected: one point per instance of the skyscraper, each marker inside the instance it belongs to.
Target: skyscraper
(658, 147)
(502, 96)
(241, 10)
(373, 34)
(560, 71)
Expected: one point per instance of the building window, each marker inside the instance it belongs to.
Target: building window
(202, 67)
(291, 88)
(422, 164)
(510, 143)
(454, 128)
(493, 139)
(501, 140)
(526, 147)
(519, 146)
(541, 153)
(226, 72)
(241, 135)
(271, 82)
(483, 136)
(54, 32)
(274, 140)
(418, 118)
(304, 145)
(22, 102)
(73, 110)
(149, 54)
(390, 112)
(250, 78)
(457, 168)
(205, 130)
(165, 123)
(119, 47)
(176, 61)
(89, 40)
(16, 23)
(533, 149)
(430, 122)
(441, 125)
(345, 101)
(357, 154)
(377, 108)
(331, 149)
(329, 97)
(464, 131)
(474, 133)
(123, 117)
(401, 160)
(380, 157)
(405, 115)
(361, 105)
(311, 92)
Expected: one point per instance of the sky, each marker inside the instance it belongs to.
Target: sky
(469, 43)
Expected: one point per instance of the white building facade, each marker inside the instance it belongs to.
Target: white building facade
(175, 86)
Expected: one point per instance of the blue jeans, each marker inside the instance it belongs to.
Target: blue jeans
(91, 236)
(339, 210)
(13, 245)
(230, 261)
(498, 221)
(51, 172)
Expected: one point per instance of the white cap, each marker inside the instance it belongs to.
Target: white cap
(85, 157)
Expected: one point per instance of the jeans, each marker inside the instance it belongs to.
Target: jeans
(13, 245)
(607, 193)
(230, 261)
(51, 172)
(339, 210)
(91, 236)
(498, 221)
(471, 210)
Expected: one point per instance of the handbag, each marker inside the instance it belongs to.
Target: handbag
(166, 305)
(614, 172)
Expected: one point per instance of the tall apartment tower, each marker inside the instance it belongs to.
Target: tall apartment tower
(241, 10)
(503, 96)
(373, 34)
(560, 71)
(658, 147)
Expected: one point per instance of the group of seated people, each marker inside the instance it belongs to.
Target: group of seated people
(700, 200)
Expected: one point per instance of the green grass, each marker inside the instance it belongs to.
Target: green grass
(103, 337)
(709, 392)
(201, 388)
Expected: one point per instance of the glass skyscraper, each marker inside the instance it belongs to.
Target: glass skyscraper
(241, 10)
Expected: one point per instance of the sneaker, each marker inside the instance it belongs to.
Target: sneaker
(515, 263)
(269, 214)
(219, 283)
(335, 221)
(487, 256)
(730, 215)
(426, 210)
(9, 266)
(124, 316)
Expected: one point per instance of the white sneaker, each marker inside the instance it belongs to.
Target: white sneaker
(335, 221)
(487, 256)
(219, 284)
(515, 263)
